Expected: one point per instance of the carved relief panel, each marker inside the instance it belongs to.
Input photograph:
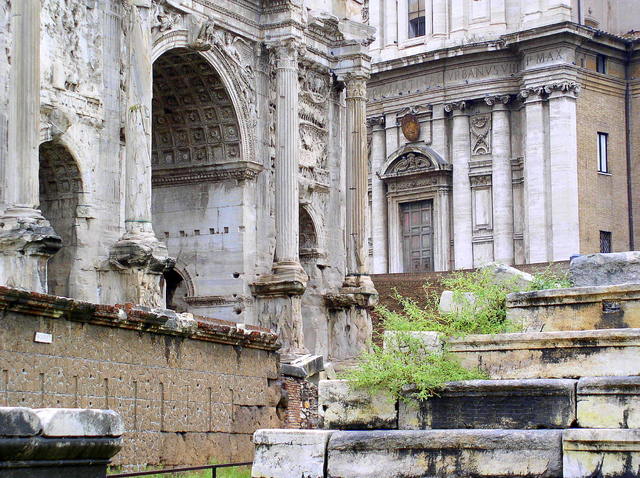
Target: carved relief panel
(314, 96)
(481, 134)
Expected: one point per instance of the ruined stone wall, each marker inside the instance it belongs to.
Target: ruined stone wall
(189, 391)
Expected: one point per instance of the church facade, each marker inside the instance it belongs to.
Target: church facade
(502, 130)
(205, 156)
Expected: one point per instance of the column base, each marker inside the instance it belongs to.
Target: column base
(356, 290)
(283, 315)
(137, 262)
(288, 278)
(27, 242)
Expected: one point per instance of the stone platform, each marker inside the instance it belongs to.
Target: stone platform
(568, 354)
(576, 308)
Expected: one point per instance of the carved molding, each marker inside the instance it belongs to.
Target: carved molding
(483, 180)
(240, 171)
(376, 121)
(211, 300)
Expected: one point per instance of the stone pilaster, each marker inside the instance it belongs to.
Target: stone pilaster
(139, 257)
(502, 180)
(563, 163)
(27, 240)
(357, 277)
(537, 236)
(461, 154)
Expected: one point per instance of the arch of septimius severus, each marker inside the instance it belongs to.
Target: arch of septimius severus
(206, 156)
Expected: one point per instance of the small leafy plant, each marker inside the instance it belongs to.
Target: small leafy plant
(480, 308)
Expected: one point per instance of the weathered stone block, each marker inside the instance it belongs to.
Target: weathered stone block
(303, 366)
(606, 269)
(594, 353)
(19, 422)
(504, 274)
(507, 404)
(576, 308)
(289, 453)
(609, 402)
(589, 453)
(70, 422)
(450, 303)
(445, 453)
(346, 408)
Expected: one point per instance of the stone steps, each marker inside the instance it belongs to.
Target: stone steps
(563, 354)
(573, 453)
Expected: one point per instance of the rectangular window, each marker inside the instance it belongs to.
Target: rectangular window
(605, 241)
(416, 18)
(601, 64)
(603, 159)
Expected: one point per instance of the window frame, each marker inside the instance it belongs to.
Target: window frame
(410, 35)
(608, 237)
(601, 63)
(603, 160)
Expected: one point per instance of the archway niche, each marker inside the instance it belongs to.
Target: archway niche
(60, 190)
(308, 238)
(198, 192)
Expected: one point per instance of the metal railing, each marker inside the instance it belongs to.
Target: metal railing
(213, 468)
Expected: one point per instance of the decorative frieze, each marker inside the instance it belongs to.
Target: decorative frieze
(238, 171)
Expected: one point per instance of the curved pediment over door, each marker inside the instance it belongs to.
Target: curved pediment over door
(413, 160)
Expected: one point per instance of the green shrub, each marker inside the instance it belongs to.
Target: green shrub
(407, 364)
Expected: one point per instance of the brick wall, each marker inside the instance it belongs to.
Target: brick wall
(189, 392)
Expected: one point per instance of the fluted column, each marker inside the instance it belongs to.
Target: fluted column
(537, 234)
(138, 120)
(501, 180)
(27, 240)
(461, 155)
(563, 161)
(139, 256)
(22, 162)
(378, 198)
(286, 173)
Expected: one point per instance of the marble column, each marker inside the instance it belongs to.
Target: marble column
(138, 121)
(286, 174)
(501, 180)
(22, 189)
(461, 155)
(140, 256)
(378, 197)
(280, 293)
(27, 241)
(535, 187)
(563, 160)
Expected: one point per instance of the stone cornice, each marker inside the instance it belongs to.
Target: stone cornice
(130, 317)
(240, 170)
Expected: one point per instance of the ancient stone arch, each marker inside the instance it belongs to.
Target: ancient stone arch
(236, 75)
(194, 120)
(61, 190)
(308, 236)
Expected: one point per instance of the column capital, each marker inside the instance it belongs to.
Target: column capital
(286, 52)
(456, 107)
(356, 84)
(558, 88)
(497, 101)
(376, 122)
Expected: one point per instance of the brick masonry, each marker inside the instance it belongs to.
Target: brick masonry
(188, 395)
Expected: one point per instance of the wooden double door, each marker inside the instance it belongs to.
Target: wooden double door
(417, 236)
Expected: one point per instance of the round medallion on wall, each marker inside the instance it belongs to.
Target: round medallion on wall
(410, 127)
